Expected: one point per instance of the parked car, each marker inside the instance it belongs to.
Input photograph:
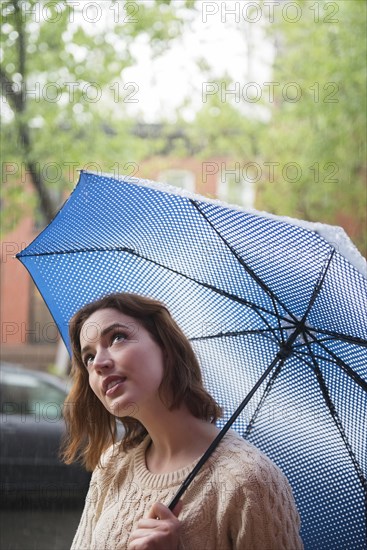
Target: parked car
(31, 430)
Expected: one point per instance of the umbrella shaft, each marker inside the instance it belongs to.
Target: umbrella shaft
(224, 430)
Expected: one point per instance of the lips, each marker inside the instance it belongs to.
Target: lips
(111, 382)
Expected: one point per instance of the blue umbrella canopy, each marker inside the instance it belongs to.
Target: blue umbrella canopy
(272, 306)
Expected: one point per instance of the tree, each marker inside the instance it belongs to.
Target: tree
(64, 94)
(317, 130)
(304, 130)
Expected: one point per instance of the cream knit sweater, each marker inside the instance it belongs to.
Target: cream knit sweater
(239, 500)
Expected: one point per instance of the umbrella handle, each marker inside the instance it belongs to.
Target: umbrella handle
(224, 430)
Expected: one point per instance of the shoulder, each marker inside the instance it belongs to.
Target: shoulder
(233, 448)
(115, 458)
(258, 497)
(240, 460)
(111, 454)
(104, 472)
(114, 467)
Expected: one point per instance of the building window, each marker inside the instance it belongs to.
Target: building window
(235, 188)
(179, 178)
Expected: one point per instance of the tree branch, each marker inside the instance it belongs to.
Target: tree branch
(47, 207)
(18, 101)
(21, 39)
(15, 98)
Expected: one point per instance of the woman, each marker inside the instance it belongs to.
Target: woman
(131, 362)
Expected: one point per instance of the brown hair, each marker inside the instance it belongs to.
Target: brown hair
(91, 428)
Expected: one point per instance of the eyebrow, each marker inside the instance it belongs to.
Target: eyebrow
(104, 332)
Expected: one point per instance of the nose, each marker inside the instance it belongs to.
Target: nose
(102, 360)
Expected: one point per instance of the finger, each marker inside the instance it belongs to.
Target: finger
(160, 511)
(140, 534)
(140, 541)
(178, 508)
(147, 523)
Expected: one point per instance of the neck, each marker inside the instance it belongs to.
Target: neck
(178, 439)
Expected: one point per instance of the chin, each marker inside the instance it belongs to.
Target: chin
(122, 408)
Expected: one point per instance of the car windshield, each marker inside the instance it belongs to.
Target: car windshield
(23, 393)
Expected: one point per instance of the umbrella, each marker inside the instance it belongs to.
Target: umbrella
(275, 309)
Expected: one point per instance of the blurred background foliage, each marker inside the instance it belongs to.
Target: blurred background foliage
(67, 123)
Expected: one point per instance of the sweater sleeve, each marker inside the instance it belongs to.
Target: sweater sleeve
(267, 518)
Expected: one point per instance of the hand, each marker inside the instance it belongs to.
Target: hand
(152, 533)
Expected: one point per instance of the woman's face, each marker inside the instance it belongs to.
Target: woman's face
(124, 363)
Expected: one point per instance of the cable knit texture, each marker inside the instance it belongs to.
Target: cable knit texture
(239, 500)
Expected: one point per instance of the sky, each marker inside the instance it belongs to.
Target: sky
(165, 82)
(217, 36)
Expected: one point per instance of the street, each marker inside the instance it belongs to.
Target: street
(37, 529)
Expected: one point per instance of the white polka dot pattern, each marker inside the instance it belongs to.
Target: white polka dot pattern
(242, 287)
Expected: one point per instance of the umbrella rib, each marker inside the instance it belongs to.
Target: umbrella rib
(330, 405)
(300, 354)
(346, 368)
(185, 484)
(317, 288)
(278, 320)
(329, 339)
(287, 347)
(232, 333)
(266, 392)
(78, 251)
(228, 295)
(241, 261)
(258, 309)
(339, 336)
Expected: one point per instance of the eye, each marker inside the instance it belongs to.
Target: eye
(118, 337)
(88, 359)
